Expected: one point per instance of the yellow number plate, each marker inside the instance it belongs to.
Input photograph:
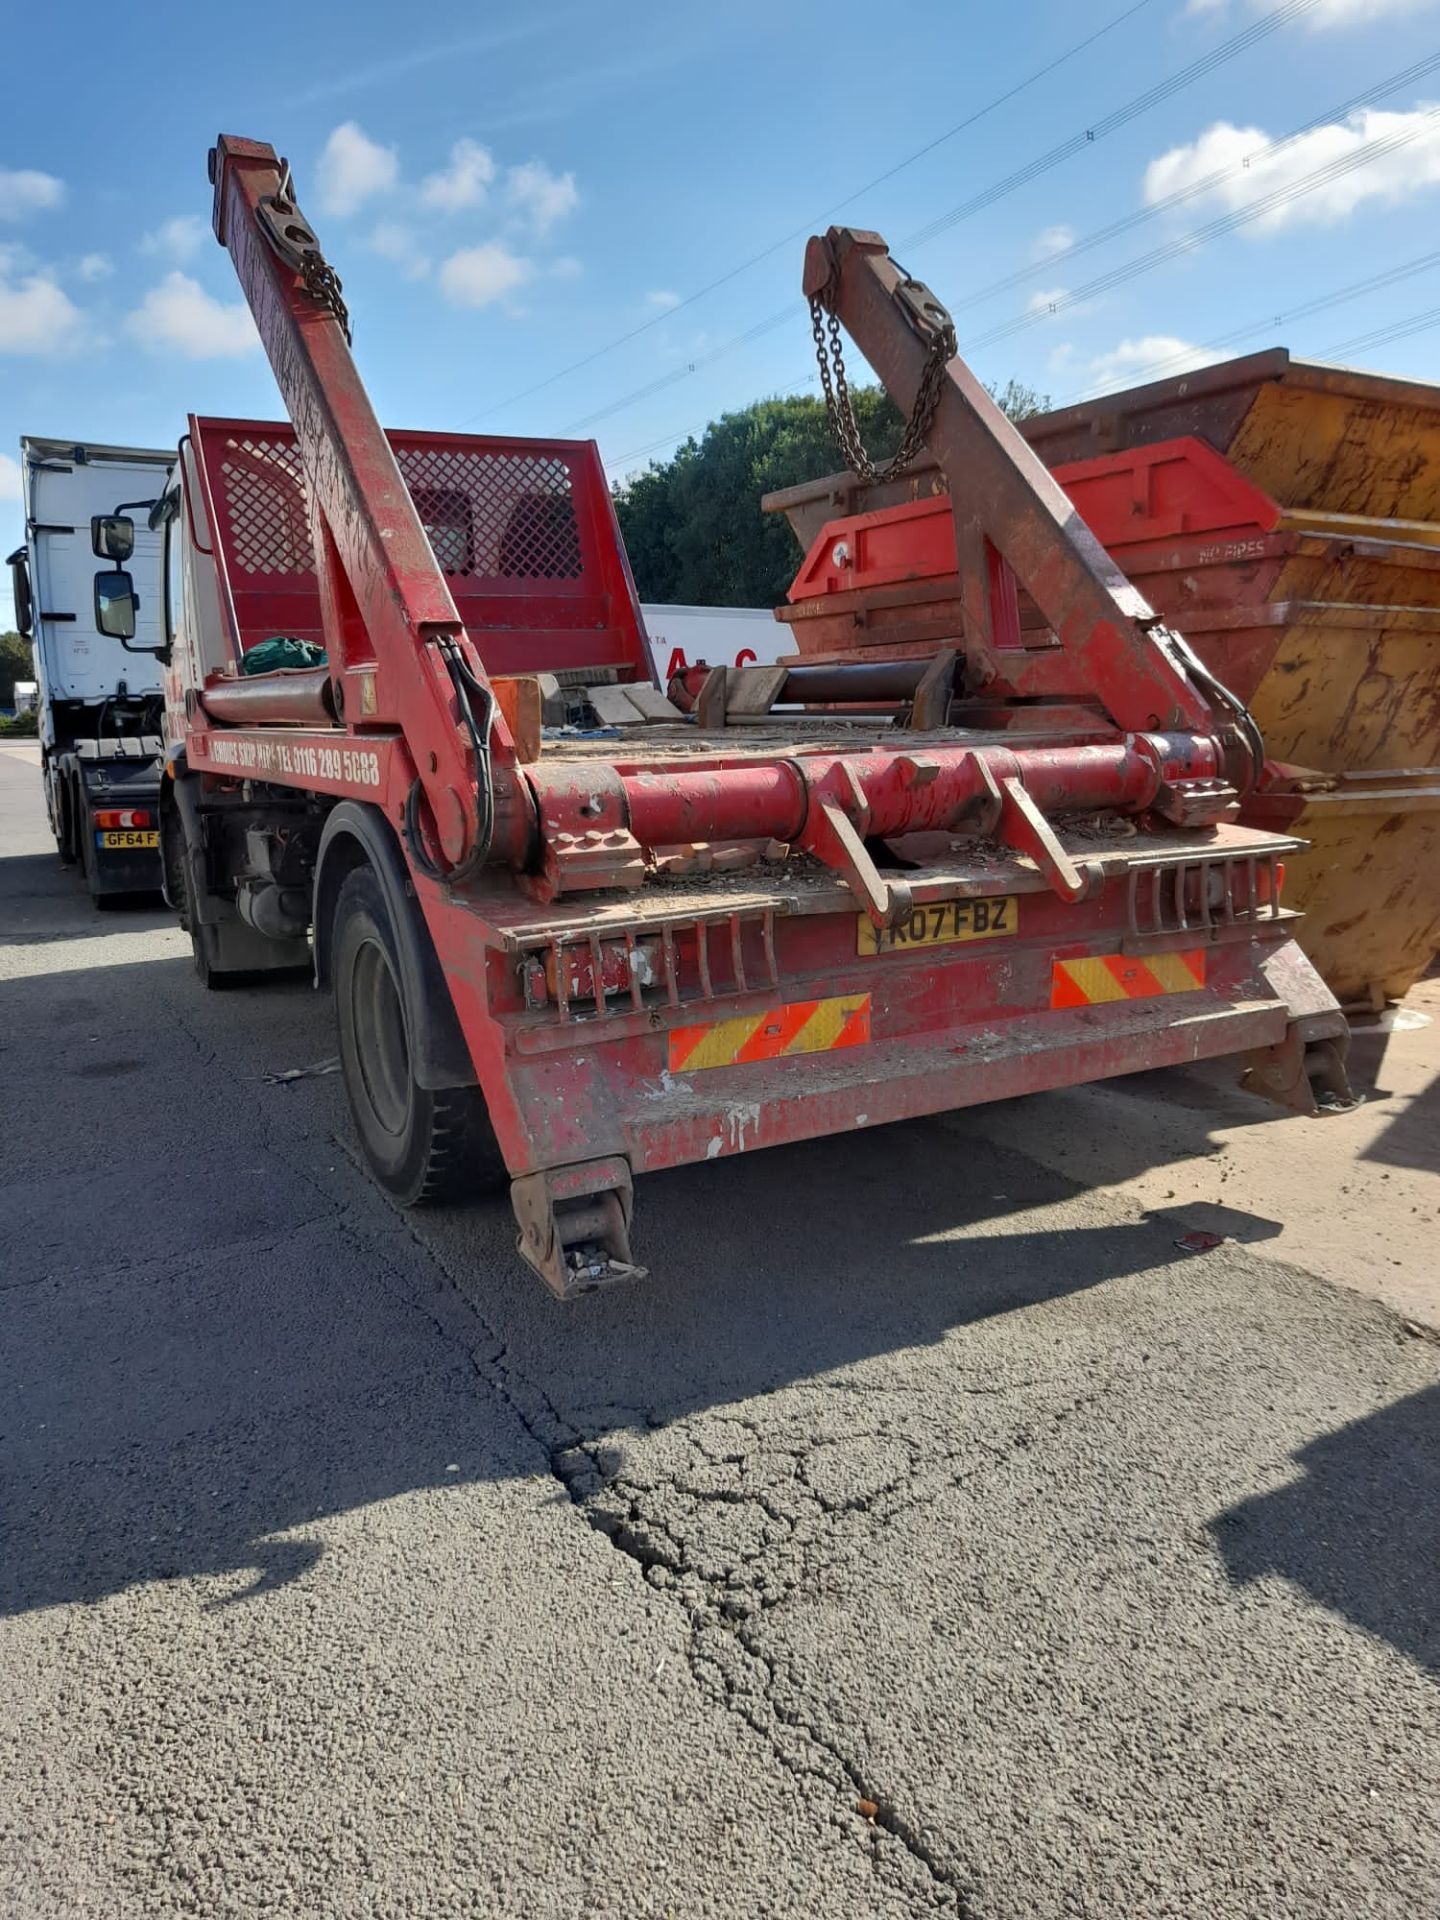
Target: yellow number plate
(127, 837)
(941, 924)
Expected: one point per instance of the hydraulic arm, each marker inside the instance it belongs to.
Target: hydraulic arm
(404, 659)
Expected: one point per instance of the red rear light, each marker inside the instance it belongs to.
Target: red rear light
(114, 819)
(615, 969)
(1253, 887)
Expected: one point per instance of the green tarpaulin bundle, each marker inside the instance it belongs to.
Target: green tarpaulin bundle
(281, 651)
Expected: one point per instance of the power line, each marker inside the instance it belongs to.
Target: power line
(766, 253)
(1213, 230)
(1354, 290)
(1270, 150)
(1142, 263)
(1399, 330)
(1153, 96)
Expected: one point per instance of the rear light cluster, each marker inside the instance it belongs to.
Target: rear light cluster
(1203, 896)
(620, 964)
(116, 818)
(591, 977)
(1269, 880)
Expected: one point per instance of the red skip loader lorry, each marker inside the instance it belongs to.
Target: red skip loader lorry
(576, 930)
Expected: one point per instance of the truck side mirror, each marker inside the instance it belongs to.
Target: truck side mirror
(112, 536)
(115, 604)
(19, 565)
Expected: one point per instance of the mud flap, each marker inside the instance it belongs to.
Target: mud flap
(575, 1225)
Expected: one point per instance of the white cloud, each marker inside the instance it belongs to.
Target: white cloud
(179, 238)
(1388, 177)
(352, 168)
(394, 242)
(36, 316)
(179, 316)
(539, 196)
(1045, 298)
(1152, 356)
(95, 266)
(23, 191)
(9, 478)
(663, 299)
(476, 276)
(464, 182)
(567, 267)
(1327, 13)
(1052, 240)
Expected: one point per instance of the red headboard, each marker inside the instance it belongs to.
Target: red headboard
(524, 532)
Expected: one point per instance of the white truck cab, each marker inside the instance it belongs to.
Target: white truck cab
(99, 693)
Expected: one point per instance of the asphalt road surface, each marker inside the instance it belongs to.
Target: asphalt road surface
(928, 1535)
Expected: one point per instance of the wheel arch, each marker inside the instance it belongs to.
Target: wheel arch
(358, 835)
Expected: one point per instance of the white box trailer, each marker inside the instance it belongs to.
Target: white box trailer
(714, 637)
(99, 699)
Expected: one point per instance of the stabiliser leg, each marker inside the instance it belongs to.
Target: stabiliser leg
(575, 1225)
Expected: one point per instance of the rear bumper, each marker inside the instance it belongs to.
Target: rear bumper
(774, 1102)
(620, 1097)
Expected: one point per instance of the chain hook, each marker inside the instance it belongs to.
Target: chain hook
(928, 318)
(293, 239)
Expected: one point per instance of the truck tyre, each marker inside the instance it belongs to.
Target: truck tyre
(65, 826)
(426, 1147)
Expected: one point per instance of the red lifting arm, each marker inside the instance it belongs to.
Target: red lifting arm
(398, 653)
(1001, 493)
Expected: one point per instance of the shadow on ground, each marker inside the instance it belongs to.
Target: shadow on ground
(214, 1332)
(1359, 1529)
(44, 900)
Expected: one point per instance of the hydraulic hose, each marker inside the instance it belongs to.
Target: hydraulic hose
(1221, 694)
(468, 690)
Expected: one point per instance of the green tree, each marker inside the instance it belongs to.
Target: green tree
(17, 662)
(1017, 401)
(692, 524)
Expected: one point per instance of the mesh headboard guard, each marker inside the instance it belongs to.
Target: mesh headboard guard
(523, 531)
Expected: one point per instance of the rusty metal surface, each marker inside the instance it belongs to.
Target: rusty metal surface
(1325, 610)
(1003, 498)
(1215, 402)
(1365, 880)
(1286, 518)
(791, 887)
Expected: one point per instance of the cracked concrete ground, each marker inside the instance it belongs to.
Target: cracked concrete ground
(928, 1536)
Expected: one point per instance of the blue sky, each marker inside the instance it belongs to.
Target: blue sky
(507, 190)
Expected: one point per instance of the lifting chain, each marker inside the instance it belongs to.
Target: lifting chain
(323, 284)
(838, 404)
(293, 238)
